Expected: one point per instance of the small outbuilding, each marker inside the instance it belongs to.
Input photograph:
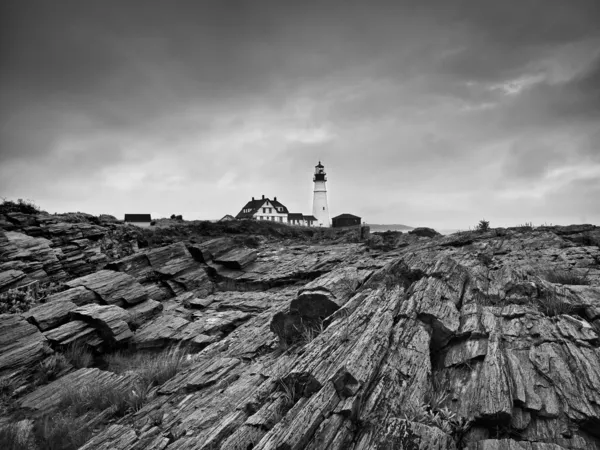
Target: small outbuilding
(345, 220)
(140, 220)
(226, 218)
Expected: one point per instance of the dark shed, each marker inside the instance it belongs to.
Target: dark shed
(345, 220)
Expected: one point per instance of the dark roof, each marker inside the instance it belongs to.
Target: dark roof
(295, 216)
(279, 205)
(310, 218)
(138, 218)
(346, 216)
(226, 217)
(254, 205)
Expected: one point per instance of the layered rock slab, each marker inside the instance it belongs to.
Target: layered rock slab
(114, 288)
(22, 346)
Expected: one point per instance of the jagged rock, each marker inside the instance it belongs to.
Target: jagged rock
(22, 346)
(142, 312)
(114, 288)
(10, 279)
(237, 259)
(160, 332)
(171, 260)
(109, 320)
(76, 332)
(48, 398)
(79, 295)
(206, 251)
(467, 322)
(137, 265)
(50, 315)
(314, 304)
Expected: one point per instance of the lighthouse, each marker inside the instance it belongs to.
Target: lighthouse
(320, 207)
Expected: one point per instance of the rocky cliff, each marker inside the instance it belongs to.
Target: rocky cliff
(477, 340)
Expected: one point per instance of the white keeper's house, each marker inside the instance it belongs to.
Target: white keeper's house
(273, 210)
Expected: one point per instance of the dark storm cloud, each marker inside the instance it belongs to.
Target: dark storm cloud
(439, 95)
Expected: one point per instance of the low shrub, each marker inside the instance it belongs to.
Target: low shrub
(16, 301)
(22, 206)
(483, 225)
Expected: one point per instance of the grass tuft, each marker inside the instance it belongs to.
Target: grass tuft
(152, 368)
(79, 355)
(551, 305)
(62, 431)
(566, 277)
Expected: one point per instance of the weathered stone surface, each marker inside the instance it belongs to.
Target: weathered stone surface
(213, 248)
(109, 320)
(171, 260)
(47, 398)
(422, 329)
(74, 332)
(50, 315)
(79, 295)
(237, 259)
(10, 279)
(22, 346)
(159, 332)
(142, 312)
(114, 288)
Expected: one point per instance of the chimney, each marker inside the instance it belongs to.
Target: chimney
(263, 197)
(275, 198)
(252, 198)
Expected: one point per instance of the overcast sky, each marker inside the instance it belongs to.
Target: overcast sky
(426, 113)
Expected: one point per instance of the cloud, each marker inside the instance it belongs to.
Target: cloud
(421, 111)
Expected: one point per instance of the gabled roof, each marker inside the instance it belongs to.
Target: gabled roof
(346, 216)
(226, 217)
(295, 216)
(255, 205)
(311, 218)
(276, 204)
(138, 218)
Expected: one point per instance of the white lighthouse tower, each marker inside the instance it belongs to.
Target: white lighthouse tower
(320, 207)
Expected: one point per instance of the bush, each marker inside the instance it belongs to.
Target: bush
(22, 206)
(566, 277)
(16, 301)
(483, 225)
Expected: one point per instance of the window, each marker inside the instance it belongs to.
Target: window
(281, 219)
(270, 210)
(323, 208)
(264, 210)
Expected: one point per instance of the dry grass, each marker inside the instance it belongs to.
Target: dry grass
(566, 277)
(78, 355)
(551, 305)
(61, 431)
(152, 368)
